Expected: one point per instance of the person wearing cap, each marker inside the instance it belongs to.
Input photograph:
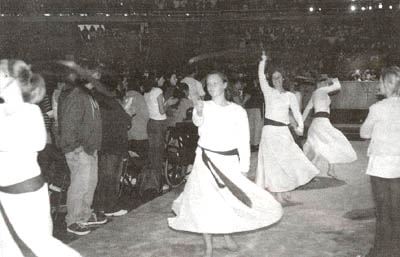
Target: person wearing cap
(80, 139)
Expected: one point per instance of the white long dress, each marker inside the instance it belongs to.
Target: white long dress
(22, 135)
(203, 207)
(282, 165)
(324, 142)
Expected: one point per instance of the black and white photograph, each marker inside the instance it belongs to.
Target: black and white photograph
(199, 128)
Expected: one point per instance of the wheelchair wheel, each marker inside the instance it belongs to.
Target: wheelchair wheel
(174, 173)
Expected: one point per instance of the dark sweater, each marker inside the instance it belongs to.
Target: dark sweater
(115, 125)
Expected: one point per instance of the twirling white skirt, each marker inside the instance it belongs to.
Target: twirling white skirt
(326, 143)
(282, 165)
(203, 207)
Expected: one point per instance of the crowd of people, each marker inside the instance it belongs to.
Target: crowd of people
(96, 120)
(96, 116)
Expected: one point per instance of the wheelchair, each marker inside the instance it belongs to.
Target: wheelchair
(181, 144)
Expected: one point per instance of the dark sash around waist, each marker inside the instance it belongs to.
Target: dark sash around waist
(222, 180)
(321, 115)
(27, 186)
(274, 123)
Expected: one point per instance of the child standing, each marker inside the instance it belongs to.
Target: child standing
(382, 126)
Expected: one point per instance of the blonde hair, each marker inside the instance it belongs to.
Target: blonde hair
(32, 85)
(390, 77)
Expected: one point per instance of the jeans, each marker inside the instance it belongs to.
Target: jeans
(156, 130)
(141, 147)
(80, 194)
(52, 164)
(106, 195)
(387, 231)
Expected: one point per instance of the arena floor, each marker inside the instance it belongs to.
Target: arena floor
(318, 227)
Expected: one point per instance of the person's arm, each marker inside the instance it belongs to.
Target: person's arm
(246, 98)
(197, 115)
(243, 141)
(308, 108)
(161, 103)
(335, 86)
(368, 126)
(265, 87)
(294, 106)
(70, 122)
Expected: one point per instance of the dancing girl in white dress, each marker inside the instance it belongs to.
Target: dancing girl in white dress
(218, 198)
(282, 166)
(325, 144)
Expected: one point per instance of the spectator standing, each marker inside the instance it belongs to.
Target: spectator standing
(80, 139)
(137, 109)
(195, 87)
(254, 108)
(114, 147)
(382, 126)
(157, 125)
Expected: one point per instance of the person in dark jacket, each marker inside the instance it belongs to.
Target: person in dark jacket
(114, 148)
(80, 139)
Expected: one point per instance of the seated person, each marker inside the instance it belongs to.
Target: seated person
(177, 112)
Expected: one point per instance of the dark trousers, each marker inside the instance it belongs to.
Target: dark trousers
(156, 130)
(387, 232)
(53, 165)
(106, 195)
(141, 147)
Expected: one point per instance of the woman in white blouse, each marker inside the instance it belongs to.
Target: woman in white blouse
(218, 198)
(157, 124)
(282, 166)
(382, 126)
(25, 221)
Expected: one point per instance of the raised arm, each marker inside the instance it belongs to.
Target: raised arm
(265, 87)
(308, 108)
(335, 86)
(369, 123)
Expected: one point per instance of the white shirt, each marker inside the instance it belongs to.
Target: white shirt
(152, 104)
(383, 127)
(278, 104)
(224, 128)
(195, 87)
(22, 135)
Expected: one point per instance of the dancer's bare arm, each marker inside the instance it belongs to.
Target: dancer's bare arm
(308, 108)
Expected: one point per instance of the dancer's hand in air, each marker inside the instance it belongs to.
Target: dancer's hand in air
(264, 57)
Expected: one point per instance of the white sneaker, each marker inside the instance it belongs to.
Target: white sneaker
(165, 188)
(117, 213)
